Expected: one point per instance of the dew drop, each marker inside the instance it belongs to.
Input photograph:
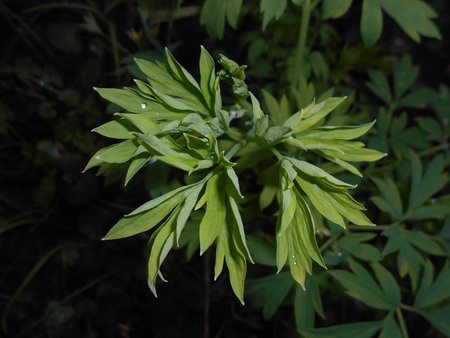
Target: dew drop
(143, 105)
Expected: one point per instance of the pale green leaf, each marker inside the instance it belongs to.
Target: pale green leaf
(237, 269)
(313, 171)
(143, 123)
(160, 244)
(232, 183)
(143, 221)
(307, 231)
(277, 134)
(261, 125)
(117, 129)
(321, 200)
(256, 108)
(237, 229)
(186, 209)
(125, 98)
(207, 77)
(136, 164)
(215, 215)
(181, 73)
(157, 201)
(313, 114)
(337, 133)
(267, 196)
(116, 153)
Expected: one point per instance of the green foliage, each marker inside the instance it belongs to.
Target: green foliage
(262, 164)
(180, 123)
(413, 16)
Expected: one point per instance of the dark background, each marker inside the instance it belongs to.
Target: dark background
(52, 54)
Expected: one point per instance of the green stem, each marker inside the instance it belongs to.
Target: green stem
(401, 321)
(327, 244)
(238, 145)
(433, 150)
(369, 228)
(233, 151)
(276, 153)
(301, 43)
(409, 308)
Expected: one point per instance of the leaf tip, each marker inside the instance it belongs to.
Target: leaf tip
(153, 289)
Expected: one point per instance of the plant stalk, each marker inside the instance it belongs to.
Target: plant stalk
(401, 321)
(238, 145)
(301, 43)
